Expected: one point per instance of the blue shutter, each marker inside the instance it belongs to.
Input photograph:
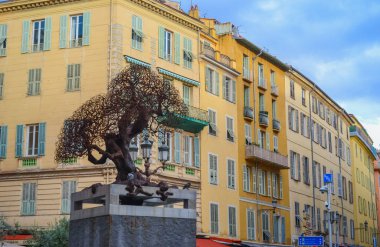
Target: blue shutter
(275, 229)
(86, 28)
(3, 141)
(177, 51)
(177, 147)
(25, 36)
(161, 42)
(62, 31)
(19, 140)
(47, 37)
(196, 152)
(283, 229)
(41, 138)
(3, 35)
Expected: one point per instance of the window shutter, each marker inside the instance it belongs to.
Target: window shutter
(3, 141)
(161, 42)
(196, 152)
(65, 199)
(177, 50)
(25, 36)
(86, 28)
(47, 35)
(290, 120)
(267, 140)
(62, 31)
(281, 188)
(275, 228)
(233, 91)
(139, 25)
(3, 36)
(25, 191)
(216, 83)
(297, 119)
(207, 79)
(254, 182)
(299, 167)
(224, 88)
(269, 183)
(177, 147)
(283, 229)
(41, 138)
(259, 140)
(340, 191)
(19, 140)
(32, 199)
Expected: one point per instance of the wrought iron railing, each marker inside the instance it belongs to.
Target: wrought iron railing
(197, 113)
(259, 153)
(275, 90)
(248, 112)
(263, 118)
(276, 124)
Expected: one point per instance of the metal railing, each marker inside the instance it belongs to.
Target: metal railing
(263, 118)
(197, 113)
(273, 158)
(76, 42)
(248, 112)
(226, 60)
(209, 51)
(276, 124)
(262, 83)
(274, 90)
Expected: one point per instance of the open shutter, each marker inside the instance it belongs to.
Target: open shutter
(196, 152)
(161, 42)
(290, 118)
(216, 83)
(25, 36)
(233, 91)
(283, 229)
(207, 79)
(177, 147)
(3, 141)
(259, 140)
(32, 199)
(3, 37)
(19, 140)
(299, 167)
(41, 139)
(47, 35)
(224, 87)
(62, 31)
(86, 28)
(177, 50)
(267, 139)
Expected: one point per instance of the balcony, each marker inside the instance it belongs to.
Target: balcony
(262, 83)
(226, 60)
(193, 121)
(274, 91)
(248, 113)
(263, 118)
(209, 51)
(363, 135)
(256, 153)
(276, 125)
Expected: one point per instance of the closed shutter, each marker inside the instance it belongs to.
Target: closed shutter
(340, 191)
(196, 152)
(19, 140)
(224, 88)
(207, 79)
(233, 91)
(290, 120)
(254, 180)
(25, 197)
(283, 230)
(86, 28)
(267, 139)
(47, 34)
(217, 83)
(177, 48)
(3, 37)
(161, 42)
(70, 77)
(63, 31)
(3, 141)
(275, 228)
(41, 138)
(281, 188)
(177, 147)
(299, 167)
(25, 36)
(269, 183)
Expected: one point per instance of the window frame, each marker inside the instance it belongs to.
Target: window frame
(76, 39)
(39, 46)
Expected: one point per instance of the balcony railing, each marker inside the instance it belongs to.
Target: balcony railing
(274, 90)
(248, 112)
(226, 60)
(276, 125)
(76, 42)
(262, 83)
(209, 51)
(362, 134)
(256, 153)
(263, 118)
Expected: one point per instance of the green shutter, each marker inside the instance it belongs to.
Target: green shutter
(177, 147)
(25, 197)
(62, 31)
(3, 36)
(234, 91)
(224, 87)
(47, 37)
(41, 138)
(86, 28)
(217, 83)
(161, 42)
(177, 50)
(207, 79)
(196, 152)
(134, 27)
(25, 36)
(3, 141)
(19, 140)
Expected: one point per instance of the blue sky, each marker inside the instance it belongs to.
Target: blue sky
(334, 43)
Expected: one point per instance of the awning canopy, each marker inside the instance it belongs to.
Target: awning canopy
(208, 243)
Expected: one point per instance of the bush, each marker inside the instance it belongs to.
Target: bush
(56, 235)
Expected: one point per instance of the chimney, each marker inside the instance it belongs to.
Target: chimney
(194, 11)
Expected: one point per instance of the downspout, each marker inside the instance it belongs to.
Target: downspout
(313, 169)
(341, 183)
(110, 42)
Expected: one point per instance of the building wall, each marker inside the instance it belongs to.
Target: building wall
(377, 191)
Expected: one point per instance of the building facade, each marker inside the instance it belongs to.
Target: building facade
(377, 190)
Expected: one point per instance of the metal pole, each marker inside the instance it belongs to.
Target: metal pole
(329, 212)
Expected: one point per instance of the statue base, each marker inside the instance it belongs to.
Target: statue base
(99, 220)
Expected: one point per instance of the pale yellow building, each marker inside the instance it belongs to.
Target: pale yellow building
(318, 143)
(363, 156)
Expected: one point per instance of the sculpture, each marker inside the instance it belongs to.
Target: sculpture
(137, 99)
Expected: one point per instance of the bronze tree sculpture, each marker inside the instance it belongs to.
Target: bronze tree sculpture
(137, 99)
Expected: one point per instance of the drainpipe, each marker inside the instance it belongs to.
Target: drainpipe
(313, 169)
(340, 171)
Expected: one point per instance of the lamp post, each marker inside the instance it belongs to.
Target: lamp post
(133, 150)
(327, 188)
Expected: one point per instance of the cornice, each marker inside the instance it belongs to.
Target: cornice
(29, 4)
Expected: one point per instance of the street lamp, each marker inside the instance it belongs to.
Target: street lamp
(133, 150)
(324, 189)
(146, 148)
(274, 205)
(163, 152)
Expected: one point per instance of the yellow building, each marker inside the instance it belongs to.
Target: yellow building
(363, 156)
(55, 55)
(318, 143)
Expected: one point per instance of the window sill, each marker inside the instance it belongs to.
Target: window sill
(73, 90)
(247, 80)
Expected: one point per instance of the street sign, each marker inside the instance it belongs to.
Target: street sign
(310, 241)
(327, 178)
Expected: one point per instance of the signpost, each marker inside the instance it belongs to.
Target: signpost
(310, 241)
(327, 178)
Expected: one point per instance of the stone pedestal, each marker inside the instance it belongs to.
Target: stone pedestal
(99, 219)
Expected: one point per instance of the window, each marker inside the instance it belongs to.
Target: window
(34, 82)
(303, 96)
(248, 134)
(231, 174)
(344, 187)
(246, 67)
(214, 213)
(254, 180)
(314, 104)
(322, 134)
(278, 229)
(315, 131)
(212, 81)
(1, 85)
(306, 170)
(186, 95)
(76, 35)
(232, 221)
(317, 175)
(262, 182)
(212, 122)
(137, 32)
(187, 150)
(68, 187)
(251, 224)
(274, 109)
(35, 140)
(177, 147)
(269, 184)
(281, 188)
(246, 96)
(168, 40)
(261, 76)
(272, 78)
(230, 129)
(229, 89)
(38, 35)
(340, 189)
(3, 40)
(305, 125)
(293, 118)
(213, 166)
(28, 206)
(321, 110)
(265, 226)
(295, 166)
(261, 102)
(187, 53)
(73, 77)
(297, 214)
(32, 139)
(329, 141)
(275, 185)
(275, 144)
(3, 141)
(246, 178)
(292, 93)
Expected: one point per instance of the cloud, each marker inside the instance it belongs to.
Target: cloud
(373, 128)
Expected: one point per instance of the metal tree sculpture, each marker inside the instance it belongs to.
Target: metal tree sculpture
(137, 99)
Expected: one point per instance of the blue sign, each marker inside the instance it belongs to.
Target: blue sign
(311, 241)
(328, 178)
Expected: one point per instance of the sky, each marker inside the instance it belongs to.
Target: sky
(336, 43)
